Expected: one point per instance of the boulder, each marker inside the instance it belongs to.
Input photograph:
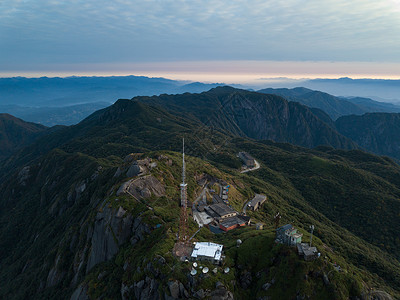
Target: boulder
(134, 170)
(174, 289)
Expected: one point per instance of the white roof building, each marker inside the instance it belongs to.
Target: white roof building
(207, 251)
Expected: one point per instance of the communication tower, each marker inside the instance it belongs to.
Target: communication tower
(183, 223)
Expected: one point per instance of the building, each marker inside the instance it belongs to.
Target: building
(308, 253)
(256, 202)
(230, 223)
(220, 211)
(207, 251)
(247, 159)
(287, 234)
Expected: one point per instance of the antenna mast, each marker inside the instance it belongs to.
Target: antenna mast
(183, 184)
(183, 161)
(183, 227)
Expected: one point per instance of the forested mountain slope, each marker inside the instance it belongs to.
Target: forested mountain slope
(68, 227)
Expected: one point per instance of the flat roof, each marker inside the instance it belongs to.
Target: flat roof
(257, 199)
(285, 227)
(231, 221)
(246, 155)
(207, 249)
(222, 209)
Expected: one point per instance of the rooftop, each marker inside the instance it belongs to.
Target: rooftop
(222, 209)
(285, 227)
(258, 198)
(245, 155)
(231, 221)
(207, 249)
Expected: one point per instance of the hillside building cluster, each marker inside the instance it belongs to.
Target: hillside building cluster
(219, 216)
(288, 235)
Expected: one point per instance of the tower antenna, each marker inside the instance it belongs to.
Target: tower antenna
(183, 230)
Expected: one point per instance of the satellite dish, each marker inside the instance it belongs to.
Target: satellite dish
(186, 260)
(205, 270)
(201, 267)
(215, 270)
(226, 270)
(193, 272)
(195, 264)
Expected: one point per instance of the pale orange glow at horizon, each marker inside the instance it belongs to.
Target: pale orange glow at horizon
(242, 72)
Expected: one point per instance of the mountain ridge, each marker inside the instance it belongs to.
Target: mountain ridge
(254, 115)
(16, 133)
(334, 106)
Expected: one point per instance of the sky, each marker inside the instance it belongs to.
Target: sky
(207, 40)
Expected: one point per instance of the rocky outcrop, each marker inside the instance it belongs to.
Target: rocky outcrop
(55, 276)
(113, 228)
(245, 279)
(133, 167)
(221, 293)
(24, 175)
(80, 293)
(142, 187)
(76, 192)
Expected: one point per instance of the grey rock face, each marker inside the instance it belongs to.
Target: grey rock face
(24, 175)
(326, 279)
(266, 286)
(112, 228)
(134, 170)
(55, 276)
(142, 187)
(174, 289)
(133, 167)
(221, 294)
(146, 289)
(80, 293)
(199, 294)
(245, 280)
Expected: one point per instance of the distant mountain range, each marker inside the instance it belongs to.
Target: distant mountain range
(387, 90)
(51, 116)
(335, 107)
(56, 91)
(67, 101)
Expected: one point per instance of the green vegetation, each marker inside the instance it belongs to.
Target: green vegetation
(47, 217)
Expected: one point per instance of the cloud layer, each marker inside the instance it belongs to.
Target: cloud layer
(35, 33)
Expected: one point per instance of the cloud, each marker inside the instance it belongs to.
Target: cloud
(50, 31)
